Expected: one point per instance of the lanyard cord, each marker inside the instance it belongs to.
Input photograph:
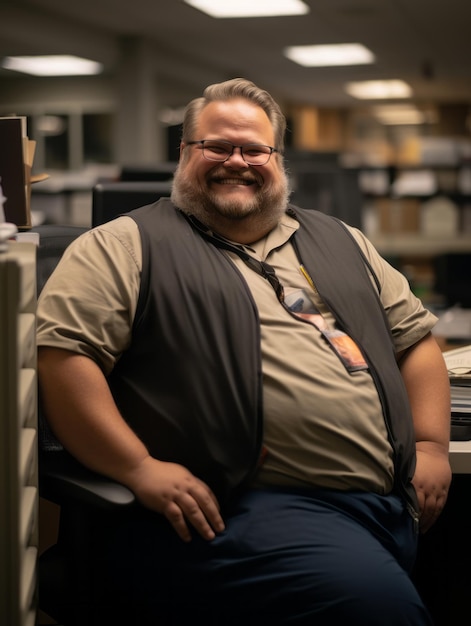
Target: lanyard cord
(353, 360)
(260, 267)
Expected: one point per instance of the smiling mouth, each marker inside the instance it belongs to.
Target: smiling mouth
(233, 181)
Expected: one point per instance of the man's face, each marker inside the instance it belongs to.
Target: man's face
(231, 190)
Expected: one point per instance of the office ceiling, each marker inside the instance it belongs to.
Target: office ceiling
(426, 43)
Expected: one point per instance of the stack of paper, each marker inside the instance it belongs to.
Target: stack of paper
(458, 363)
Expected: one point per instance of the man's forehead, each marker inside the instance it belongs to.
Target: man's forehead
(236, 114)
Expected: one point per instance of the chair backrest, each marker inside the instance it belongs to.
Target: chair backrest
(157, 172)
(110, 199)
(53, 240)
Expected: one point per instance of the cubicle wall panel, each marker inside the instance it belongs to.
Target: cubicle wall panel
(18, 436)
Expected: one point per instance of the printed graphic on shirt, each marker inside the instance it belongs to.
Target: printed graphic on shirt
(299, 303)
(346, 349)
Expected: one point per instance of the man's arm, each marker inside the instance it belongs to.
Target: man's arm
(83, 415)
(424, 372)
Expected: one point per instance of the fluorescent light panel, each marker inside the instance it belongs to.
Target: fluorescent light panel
(52, 65)
(330, 55)
(249, 8)
(378, 89)
(399, 114)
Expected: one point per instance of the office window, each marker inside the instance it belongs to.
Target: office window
(54, 132)
(97, 138)
(71, 140)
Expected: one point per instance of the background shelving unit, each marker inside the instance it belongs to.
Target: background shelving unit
(18, 436)
(419, 218)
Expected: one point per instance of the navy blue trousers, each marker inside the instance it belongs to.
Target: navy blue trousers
(286, 557)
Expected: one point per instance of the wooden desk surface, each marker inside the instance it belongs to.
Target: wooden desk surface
(460, 457)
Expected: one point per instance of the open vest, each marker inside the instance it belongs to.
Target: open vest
(190, 384)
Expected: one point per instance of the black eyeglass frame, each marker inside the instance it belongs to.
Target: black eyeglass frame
(233, 147)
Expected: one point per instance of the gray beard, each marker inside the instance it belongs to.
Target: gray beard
(263, 212)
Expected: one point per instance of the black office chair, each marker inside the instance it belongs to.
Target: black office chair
(73, 573)
(110, 199)
(70, 588)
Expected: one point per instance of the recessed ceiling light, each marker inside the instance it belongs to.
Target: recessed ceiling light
(52, 65)
(378, 89)
(249, 8)
(330, 55)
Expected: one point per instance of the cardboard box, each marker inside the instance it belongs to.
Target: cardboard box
(398, 215)
(16, 162)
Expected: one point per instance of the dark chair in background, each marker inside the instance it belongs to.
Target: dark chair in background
(157, 172)
(69, 582)
(110, 199)
(71, 588)
(54, 240)
(452, 278)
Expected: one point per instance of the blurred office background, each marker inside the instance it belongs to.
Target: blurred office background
(380, 138)
(397, 164)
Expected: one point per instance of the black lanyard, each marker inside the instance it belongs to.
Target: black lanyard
(341, 343)
(260, 267)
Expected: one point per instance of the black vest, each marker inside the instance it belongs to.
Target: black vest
(190, 384)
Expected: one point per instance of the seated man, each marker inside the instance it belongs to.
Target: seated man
(262, 380)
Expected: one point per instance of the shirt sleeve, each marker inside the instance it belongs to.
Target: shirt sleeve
(408, 318)
(88, 304)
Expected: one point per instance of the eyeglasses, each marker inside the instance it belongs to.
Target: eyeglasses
(221, 151)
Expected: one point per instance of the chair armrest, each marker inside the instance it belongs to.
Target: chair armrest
(63, 480)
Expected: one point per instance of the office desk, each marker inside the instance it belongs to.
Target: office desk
(442, 573)
(460, 457)
(460, 451)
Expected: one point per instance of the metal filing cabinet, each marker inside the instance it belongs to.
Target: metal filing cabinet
(18, 436)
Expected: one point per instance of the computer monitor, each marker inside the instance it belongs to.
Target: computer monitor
(319, 181)
(453, 278)
(110, 199)
(158, 172)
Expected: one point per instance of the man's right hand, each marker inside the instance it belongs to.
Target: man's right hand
(173, 491)
(84, 417)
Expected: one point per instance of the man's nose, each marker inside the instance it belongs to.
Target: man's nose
(236, 158)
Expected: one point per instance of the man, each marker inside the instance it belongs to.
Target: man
(257, 375)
